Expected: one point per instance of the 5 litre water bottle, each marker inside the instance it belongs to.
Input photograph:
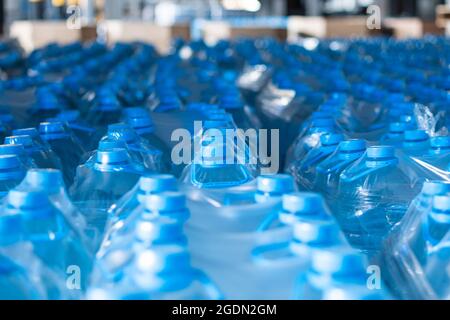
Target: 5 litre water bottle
(373, 197)
(124, 212)
(19, 151)
(23, 275)
(101, 181)
(416, 255)
(157, 264)
(339, 274)
(53, 238)
(50, 181)
(43, 158)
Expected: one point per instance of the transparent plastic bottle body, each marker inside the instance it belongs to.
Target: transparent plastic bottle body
(141, 122)
(152, 256)
(222, 238)
(328, 172)
(373, 197)
(54, 241)
(50, 182)
(67, 147)
(102, 181)
(41, 157)
(406, 250)
(124, 212)
(306, 169)
(83, 132)
(280, 258)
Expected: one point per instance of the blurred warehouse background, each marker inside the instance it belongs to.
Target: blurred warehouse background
(37, 22)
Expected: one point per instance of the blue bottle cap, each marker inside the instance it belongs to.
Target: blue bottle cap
(158, 183)
(416, 136)
(441, 203)
(8, 162)
(345, 262)
(167, 201)
(25, 141)
(380, 152)
(108, 145)
(352, 146)
(304, 203)
(32, 132)
(397, 127)
(317, 233)
(114, 156)
(280, 183)
(12, 149)
(46, 179)
(51, 127)
(440, 142)
(331, 139)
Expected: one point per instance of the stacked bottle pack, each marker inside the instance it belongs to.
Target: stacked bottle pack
(126, 174)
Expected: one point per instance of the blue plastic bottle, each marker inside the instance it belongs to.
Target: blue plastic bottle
(102, 181)
(164, 212)
(374, 194)
(19, 151)
(123, 212)
(12, 173)
(85, 133)
(23, 276)
(278, 253)
(415, 254)
(41, 157)
(50, 181)
(34, 134)
(305, 170)
(54, 240)
(65, 145)
(155, 249)
(145, 128)
(339, 274)
(329, 170)
(140, 150)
